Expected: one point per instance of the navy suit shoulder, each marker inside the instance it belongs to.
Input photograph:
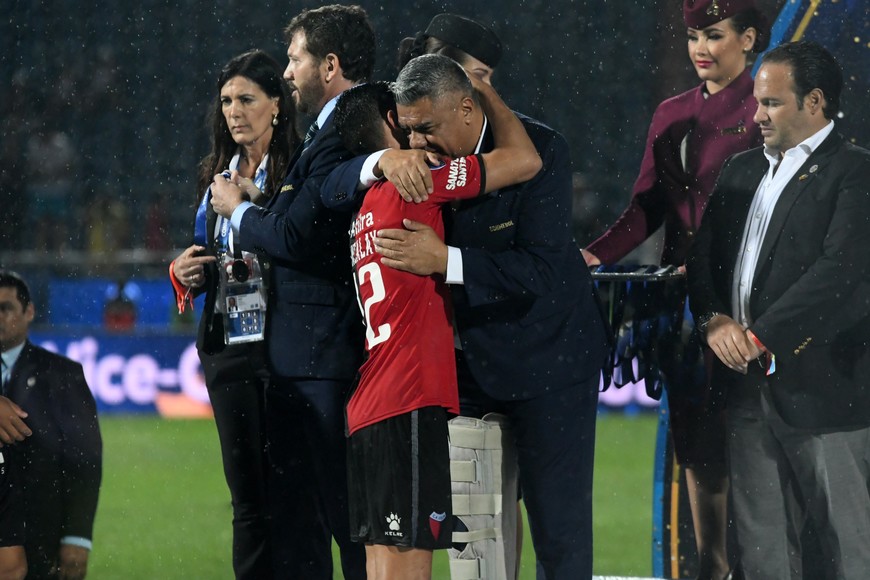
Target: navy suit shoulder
(48, 362)
(62, 464)
(526, 313)
(281, 232)
(47, 378)
(339, 190)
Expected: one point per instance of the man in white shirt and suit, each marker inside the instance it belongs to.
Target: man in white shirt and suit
(778, 283)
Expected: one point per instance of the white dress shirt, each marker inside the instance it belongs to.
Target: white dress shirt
(782, 170)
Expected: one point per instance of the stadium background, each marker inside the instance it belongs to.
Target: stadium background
(103, 110)
(103, 106)
(104, 122)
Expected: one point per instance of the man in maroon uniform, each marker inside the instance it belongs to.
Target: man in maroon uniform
(397, 416)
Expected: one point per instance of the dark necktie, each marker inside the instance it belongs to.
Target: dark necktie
(309, 135)
(3, 377)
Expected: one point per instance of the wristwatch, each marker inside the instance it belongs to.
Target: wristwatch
(704, 321)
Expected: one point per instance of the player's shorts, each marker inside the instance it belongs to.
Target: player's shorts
(11, 504)
(399, 481)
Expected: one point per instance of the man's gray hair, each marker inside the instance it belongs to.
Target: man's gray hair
(431, 76)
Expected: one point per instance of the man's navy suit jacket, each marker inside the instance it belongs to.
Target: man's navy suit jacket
(314, 328)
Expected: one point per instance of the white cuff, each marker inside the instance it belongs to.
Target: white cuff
(236, 218)
(367, 176)
(454, 266)
(77, 541)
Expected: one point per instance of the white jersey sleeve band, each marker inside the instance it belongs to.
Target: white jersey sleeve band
(367, 176)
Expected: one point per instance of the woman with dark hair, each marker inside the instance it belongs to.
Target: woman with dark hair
(689, 138)
(692, 134)
(474, 46)
(253, 136)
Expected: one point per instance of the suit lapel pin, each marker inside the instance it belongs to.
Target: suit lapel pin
(813, 169)
(31, 381)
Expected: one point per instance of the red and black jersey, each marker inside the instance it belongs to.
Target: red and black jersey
(409, 336)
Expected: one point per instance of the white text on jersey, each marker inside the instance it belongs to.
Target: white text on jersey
(458, 174)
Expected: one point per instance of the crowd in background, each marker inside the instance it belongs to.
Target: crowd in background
(95, 85)
(118, 184)
(90, 139)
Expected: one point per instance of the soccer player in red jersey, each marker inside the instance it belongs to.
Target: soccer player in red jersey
(397, 416)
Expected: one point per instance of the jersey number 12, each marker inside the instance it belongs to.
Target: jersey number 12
(371, 274)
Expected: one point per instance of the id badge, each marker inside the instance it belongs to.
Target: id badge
(243, 298)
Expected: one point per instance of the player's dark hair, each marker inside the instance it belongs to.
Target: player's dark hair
(360, 115)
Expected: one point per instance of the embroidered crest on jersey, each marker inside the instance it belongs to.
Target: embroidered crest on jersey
(435, 520)
(457, 174)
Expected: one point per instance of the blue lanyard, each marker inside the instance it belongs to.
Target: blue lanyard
(199, 233)
(199, 223)
(223, 238)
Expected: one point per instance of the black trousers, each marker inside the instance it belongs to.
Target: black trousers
(309, 499)
(239, 412)
(555, 441)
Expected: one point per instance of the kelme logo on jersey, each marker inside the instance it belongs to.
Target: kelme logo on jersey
(458, 174)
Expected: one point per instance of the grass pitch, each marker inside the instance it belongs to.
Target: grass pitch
(165, 511)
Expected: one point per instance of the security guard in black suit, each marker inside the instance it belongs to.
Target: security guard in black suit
(58, 451)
